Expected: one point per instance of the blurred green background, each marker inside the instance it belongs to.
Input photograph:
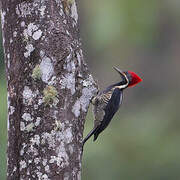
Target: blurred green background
(142, 141)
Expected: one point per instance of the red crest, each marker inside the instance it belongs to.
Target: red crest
(135, 79)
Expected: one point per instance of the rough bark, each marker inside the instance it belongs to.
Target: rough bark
(49, 89)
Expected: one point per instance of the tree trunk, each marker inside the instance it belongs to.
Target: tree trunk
(49, 89)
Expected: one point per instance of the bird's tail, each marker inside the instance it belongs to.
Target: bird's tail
(89, 135)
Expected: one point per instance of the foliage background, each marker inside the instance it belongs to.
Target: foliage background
(142, 142)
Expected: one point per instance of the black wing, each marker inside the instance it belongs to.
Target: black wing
(110, 110)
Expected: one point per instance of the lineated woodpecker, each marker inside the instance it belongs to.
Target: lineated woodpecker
(108, 101)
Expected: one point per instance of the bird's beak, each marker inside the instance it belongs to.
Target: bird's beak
(119, 71)
(123, 76)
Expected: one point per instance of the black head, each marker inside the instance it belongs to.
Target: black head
(129, 78)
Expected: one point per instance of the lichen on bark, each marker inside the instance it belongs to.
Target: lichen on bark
(49, 89)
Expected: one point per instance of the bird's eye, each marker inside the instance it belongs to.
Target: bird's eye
(128, 76)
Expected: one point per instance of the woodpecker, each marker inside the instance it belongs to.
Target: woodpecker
(108, 101)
